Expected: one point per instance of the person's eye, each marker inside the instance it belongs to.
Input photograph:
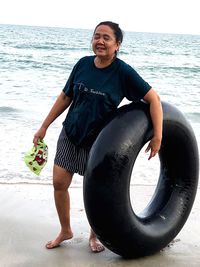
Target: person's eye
(96, 37)
(107, 38)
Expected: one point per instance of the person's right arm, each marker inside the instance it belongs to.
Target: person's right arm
(61, 104)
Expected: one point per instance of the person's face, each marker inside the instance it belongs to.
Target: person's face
(104, 42)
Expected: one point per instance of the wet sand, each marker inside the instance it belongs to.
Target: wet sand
(28, 219)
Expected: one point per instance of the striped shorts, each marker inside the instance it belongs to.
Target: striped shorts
(70, 157)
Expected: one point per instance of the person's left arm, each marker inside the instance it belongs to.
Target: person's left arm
(157, 120)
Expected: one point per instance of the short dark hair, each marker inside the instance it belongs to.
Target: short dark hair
(115, 27)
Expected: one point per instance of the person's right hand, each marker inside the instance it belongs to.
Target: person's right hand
(40, 134)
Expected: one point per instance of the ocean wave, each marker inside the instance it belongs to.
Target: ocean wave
(193, 116)
(51, 47)
(5, 109)
(35, 63)
(181, 68)
(40, 47)
(27, 63)
(177, 69)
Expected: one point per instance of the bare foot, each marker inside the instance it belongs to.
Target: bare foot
(60, 238)
(95, 245)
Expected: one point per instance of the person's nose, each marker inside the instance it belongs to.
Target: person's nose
(100, 40)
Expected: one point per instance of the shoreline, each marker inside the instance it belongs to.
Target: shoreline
(29, 220)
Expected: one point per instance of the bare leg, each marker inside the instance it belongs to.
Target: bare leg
(61, 181)
(94, 243)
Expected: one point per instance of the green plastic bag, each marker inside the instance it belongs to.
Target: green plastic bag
(37, 157)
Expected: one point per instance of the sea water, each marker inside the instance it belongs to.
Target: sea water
(35, 63)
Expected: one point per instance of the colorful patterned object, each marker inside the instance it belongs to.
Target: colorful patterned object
(37, 157)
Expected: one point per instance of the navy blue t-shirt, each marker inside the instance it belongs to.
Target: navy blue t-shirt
(97, 92)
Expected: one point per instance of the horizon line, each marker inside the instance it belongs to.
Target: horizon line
(81, 28)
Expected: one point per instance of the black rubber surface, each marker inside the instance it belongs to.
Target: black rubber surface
(107, 181)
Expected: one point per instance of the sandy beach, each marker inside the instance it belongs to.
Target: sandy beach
(28, 219)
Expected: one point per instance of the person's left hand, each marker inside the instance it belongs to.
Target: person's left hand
(153, 147)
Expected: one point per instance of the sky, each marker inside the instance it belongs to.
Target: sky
(170, 16)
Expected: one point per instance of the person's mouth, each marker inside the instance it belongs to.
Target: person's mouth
(100, 48)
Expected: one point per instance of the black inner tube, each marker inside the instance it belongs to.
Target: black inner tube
(107, 181)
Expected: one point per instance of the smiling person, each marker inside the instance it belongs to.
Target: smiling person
(96, 86)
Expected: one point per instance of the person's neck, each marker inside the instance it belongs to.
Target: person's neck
(103, 62)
